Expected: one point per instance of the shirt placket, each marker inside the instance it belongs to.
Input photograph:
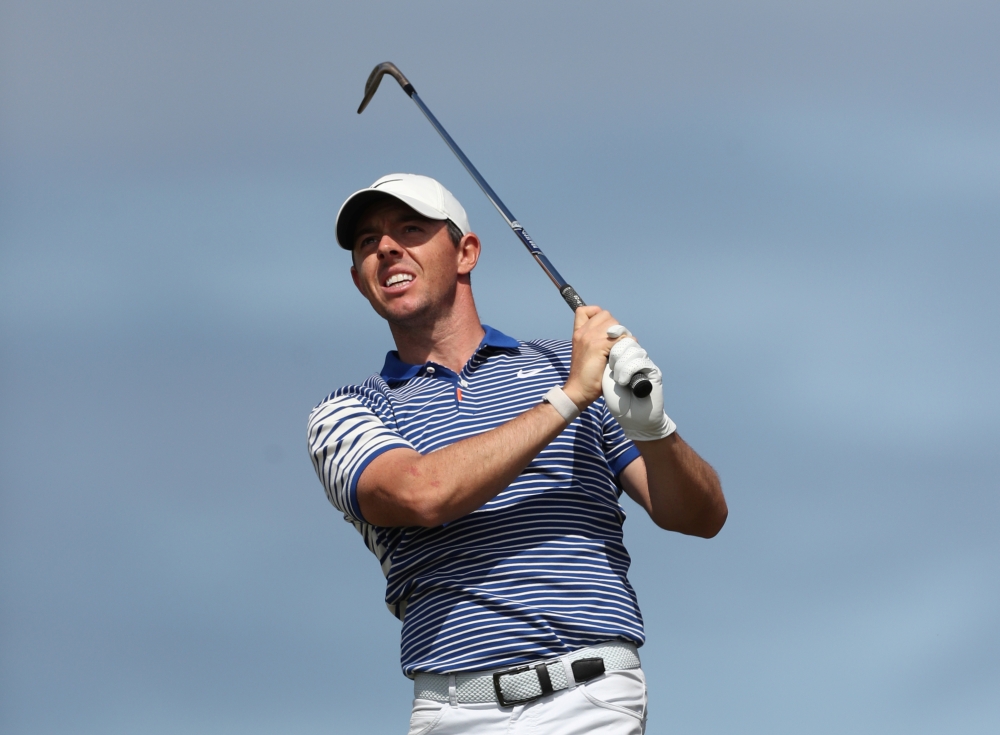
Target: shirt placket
(440, 372)
(464, 380)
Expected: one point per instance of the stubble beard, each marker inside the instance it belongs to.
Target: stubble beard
(425, 316)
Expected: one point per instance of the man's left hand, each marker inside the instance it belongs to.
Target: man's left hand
(642, 419)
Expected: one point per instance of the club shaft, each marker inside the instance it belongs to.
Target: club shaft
(508, 216)
(639, 384)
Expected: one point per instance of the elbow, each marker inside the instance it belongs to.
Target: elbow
(713, 516)
(711, 526)
(403, 507)
(704, 524)
(425, 504)
(426, 515)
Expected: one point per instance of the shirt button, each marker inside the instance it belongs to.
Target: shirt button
(430, 369)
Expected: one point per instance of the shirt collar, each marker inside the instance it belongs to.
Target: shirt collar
(396, 370)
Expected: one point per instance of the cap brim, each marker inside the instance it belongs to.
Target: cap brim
(347, 217)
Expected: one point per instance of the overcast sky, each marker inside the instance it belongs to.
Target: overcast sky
(796, 208)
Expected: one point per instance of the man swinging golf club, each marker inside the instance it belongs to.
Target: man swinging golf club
(485, 474)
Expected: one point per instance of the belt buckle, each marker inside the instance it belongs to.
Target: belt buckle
(511, 672)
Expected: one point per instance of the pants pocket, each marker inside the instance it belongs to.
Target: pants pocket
(621, 691)
(425, 716)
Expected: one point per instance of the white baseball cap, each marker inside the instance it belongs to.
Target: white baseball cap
(422, 193)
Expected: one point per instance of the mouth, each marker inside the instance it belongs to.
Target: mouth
(398, 281)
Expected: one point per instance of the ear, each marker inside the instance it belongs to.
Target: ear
(469, 249)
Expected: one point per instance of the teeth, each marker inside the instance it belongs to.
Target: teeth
(398, 278)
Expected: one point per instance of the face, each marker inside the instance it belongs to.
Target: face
(407, 265)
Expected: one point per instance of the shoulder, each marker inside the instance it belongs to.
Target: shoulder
(372, 394)
(547, 344)
(561, 348)
(354, 419)
(558, 352)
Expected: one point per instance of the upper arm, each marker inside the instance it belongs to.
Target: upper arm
(345, 436)
(385, 494)
(635, 484)
(625, 461)
(619, 451)
(679, 490)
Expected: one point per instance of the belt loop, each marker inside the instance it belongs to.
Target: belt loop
(452, 693)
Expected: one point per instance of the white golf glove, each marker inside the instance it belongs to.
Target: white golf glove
(642, 419)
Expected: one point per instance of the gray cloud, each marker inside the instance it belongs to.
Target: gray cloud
(113, 84)
(794, 207)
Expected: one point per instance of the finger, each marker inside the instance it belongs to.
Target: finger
(600, 322)
(627, 359)
(618, 330)
(624, 348)
(584, 314)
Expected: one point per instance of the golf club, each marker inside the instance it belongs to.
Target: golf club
(640, 383)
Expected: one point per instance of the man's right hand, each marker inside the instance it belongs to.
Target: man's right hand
(591, 346)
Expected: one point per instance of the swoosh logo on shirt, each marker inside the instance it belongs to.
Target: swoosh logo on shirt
(528, 373)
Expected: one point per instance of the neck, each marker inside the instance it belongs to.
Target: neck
(448, 339)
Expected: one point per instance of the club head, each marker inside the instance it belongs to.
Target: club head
(375, 78)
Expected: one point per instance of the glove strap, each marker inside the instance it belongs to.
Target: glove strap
(562, 403)
(665, 429)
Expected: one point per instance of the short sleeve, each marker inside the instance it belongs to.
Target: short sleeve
(618, 449)
(345, 435)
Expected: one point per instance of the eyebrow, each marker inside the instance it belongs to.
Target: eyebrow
(364, 229)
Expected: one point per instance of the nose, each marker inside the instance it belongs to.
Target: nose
(387, 246)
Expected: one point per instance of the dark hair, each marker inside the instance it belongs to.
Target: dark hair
(454, 233)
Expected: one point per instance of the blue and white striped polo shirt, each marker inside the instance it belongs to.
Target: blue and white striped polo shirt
(539, 570)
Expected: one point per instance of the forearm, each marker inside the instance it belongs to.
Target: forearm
(405, 488)
(682, 490)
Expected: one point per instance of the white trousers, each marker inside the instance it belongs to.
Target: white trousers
(612, 704)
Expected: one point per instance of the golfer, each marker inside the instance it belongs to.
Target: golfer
(485, 474)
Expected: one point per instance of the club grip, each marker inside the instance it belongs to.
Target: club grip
(641, 385)
(571, 297)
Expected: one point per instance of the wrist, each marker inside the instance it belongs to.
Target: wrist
(566, 406)
(649, 431)
(576, 395)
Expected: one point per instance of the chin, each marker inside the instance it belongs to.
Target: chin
(404, 313)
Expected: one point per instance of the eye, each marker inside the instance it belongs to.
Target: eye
(367, 241)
